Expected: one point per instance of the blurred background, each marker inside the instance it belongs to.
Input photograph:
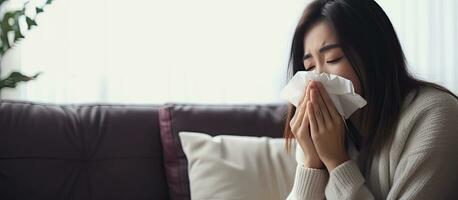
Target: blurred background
(200, 51)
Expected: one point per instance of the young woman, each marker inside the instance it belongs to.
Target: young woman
(402, 145)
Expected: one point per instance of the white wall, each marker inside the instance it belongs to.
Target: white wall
(204, 51)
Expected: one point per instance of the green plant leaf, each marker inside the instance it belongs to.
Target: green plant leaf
(10, 23)
(30, 22)
(14, 78)
(18, 35)
(39, 10)
(2, 1)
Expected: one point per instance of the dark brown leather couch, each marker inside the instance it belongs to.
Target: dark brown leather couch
(101, 151)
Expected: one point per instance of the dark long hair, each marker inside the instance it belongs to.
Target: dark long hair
(372, 48)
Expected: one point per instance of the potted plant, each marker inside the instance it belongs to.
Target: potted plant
(11, 31)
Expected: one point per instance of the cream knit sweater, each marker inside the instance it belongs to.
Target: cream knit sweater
(422, 162)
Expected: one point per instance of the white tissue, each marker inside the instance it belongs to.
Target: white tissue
(340, 91)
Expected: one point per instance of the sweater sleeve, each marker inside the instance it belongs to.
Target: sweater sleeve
(428, 165)
(347, 182)
(309, 183)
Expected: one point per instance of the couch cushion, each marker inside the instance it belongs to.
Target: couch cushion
(238, 167)
(80, 152)
(251, 120)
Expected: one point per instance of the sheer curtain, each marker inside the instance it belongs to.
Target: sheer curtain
(200, 51)
(428, 30)
(143, 51)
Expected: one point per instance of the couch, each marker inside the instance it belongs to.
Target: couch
(112, 151)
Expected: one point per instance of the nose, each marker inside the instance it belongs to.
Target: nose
(319, 68)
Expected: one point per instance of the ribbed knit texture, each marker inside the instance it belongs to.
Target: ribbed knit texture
(309, 183)
(420, 163)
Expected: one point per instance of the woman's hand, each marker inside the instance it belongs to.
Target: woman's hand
(301, 130)
(326, 126)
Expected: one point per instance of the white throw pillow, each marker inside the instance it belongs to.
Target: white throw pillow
(238, 167)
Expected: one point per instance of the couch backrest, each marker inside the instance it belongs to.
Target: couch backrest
(101, 151)
(80, 152)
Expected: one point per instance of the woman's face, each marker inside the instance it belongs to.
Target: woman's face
(323, 53)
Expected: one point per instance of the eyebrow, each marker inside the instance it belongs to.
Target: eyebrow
(322, 49)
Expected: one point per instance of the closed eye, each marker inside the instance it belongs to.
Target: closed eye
(335, 60)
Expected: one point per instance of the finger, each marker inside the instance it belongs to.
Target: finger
(305, 120)
(293, 121)
(297, 119)
(317, 110)
(312, 119)
(329, 103)
(306, 95)
(302, 106)
(323, 106)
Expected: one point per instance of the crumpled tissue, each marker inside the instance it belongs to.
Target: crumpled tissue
(339, 89)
